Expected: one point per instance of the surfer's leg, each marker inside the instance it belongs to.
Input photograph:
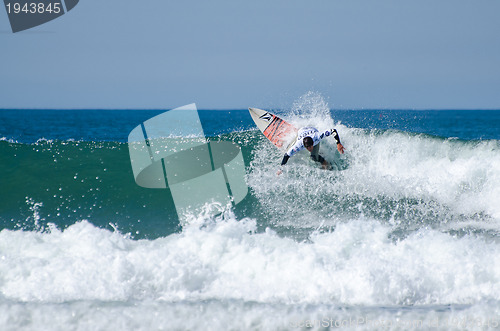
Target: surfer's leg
(318, 158)
(315, 152)
(315, 155)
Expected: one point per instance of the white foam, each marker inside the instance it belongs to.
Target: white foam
(227, 260)
(464, 177)
(9, 140)
(224, 271)
(238, 315)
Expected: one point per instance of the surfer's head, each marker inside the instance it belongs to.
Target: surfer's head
(308, 143)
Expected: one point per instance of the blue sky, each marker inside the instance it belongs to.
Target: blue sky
(230, 54)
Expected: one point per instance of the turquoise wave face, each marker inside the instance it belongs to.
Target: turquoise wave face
(64, 182)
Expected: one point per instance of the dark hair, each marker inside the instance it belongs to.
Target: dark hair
(308, 141)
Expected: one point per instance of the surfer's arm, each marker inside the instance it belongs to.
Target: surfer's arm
(283, 162)
(335, 135)
(285, 159)
(291, 152)
(297, 147)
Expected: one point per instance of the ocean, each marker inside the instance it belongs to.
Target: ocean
(404, 234)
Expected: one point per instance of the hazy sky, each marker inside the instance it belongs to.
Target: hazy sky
(234, 54)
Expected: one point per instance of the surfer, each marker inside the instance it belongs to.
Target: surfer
(309, 138)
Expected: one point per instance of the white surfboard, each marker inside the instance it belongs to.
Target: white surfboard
(277, 130)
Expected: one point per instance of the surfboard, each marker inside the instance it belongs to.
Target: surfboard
(277, 130)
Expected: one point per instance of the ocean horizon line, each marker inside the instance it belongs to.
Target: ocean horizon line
(245, 109)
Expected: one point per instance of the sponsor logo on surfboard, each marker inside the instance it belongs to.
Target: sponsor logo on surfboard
(266, 117)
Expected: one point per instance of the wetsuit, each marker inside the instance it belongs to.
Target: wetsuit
(316, 137)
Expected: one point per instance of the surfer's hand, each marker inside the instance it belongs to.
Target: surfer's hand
(279, 172)
(340, 148)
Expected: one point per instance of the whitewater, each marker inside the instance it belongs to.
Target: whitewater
(403, 234)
